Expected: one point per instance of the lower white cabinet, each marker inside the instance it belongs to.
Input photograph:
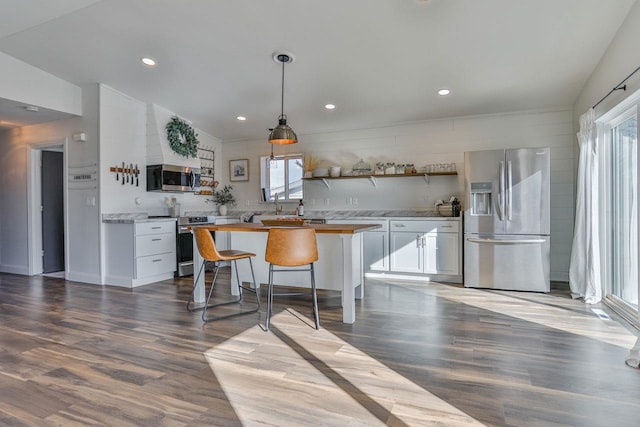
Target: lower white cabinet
(413, 247)
(425, 247)
(140, 253)
(375, 243)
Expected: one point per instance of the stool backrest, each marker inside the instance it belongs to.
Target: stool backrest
(206, 244)
(291, 247)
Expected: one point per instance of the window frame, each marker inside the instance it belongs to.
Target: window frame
(265, 177)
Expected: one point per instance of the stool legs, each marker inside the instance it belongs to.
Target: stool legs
(314, 295)
(238, 300)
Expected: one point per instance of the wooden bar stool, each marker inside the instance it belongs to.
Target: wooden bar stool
(209, 252)
(291, 247)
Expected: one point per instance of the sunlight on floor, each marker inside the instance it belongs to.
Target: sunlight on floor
(295, 375)
(542, 309)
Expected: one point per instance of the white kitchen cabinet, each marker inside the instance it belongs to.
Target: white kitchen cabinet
(425, 247)
(376, 250)
(375, 243)
(140, 253)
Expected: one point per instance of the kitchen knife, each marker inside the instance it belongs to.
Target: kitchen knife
(137, 172)
(132, 173)
(117, 176)
(122, 173)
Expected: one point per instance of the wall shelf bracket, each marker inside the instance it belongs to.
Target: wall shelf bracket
(326, 183)
(426, 178)
(373, 181)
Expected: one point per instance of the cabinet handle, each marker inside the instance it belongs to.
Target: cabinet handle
(424, 242)
(399, 225)
(156, 228)
(155, 240)
(417, 240)
(446, 226)
(156, 260)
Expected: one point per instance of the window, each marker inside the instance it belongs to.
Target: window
(620, 179)
(282, 176)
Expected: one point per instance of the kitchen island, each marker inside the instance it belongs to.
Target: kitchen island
(339, 266)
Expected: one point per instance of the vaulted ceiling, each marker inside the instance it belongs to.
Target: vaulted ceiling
(380, 62)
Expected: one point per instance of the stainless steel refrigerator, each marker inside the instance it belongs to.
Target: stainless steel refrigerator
(506, 219)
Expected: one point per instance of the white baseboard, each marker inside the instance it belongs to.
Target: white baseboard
(75, 276)
(14, 269)
(129, 282)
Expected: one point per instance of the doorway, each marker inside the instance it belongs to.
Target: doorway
(47, 209)
(52, 202)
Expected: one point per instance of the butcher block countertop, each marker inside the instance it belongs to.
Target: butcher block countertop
(320, 228)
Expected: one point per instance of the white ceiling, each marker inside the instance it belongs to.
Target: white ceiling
(380, 61)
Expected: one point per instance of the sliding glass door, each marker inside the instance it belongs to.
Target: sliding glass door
(621, 207)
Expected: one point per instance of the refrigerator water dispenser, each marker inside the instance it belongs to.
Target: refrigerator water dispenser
(481, 198)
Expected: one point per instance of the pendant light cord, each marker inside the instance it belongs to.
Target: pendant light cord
(282, 58)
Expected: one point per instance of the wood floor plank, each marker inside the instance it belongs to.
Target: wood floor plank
(419, 354)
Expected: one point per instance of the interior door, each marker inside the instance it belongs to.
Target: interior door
(52, 212)
(527, 171)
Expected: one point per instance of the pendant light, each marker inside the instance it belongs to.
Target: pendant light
(282, 134)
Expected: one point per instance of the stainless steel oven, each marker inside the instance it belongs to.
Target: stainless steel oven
(184, 241)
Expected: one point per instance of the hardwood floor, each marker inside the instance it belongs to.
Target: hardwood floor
(419, 354)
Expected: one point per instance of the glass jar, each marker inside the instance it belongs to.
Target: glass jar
(361, 168)
(389, 168)
(409, 168)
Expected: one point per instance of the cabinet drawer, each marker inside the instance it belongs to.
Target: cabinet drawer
(155, 264)
(155, 227)
(445, 226)
(149, 244)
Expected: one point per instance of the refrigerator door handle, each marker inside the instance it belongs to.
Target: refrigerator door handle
(501, 192)
(505, 241)
(509, 190)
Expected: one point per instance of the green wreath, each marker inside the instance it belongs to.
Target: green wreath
(182, 138)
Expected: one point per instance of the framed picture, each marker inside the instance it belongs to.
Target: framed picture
(239, 170)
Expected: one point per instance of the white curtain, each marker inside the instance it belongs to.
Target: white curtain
(584, 270)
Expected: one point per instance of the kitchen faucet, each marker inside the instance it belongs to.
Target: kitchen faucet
(278, 208)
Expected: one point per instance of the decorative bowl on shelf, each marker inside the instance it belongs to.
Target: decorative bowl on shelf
(320, 172)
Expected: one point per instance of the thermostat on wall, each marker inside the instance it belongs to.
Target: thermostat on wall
(80, 137)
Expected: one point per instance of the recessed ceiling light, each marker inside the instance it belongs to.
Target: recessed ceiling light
(241, 118)
(31, 108)
(330, 106)
(149, 62)
(444, 92)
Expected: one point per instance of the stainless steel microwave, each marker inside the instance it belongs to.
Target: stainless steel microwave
(173, 178)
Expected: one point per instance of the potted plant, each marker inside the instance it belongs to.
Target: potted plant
(223, 198)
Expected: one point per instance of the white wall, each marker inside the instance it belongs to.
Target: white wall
(120, 136)
(22, 82)
(618, 62)
(84, 227)
(438, 141)
(123, 138)
(124, 132)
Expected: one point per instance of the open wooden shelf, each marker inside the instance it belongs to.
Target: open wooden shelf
(374, 178)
